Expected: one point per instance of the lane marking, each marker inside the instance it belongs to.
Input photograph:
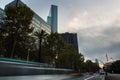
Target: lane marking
(89, 78)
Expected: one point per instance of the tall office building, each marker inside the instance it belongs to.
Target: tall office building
(2, 15)
(52, 19)
(71, 38)
(37, 22)
(14, 3)
(97, 62)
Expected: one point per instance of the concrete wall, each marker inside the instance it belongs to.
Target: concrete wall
(14, 69)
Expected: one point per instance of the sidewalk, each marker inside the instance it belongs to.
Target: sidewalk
(113, 77)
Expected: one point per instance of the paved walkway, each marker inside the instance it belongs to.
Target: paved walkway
(113, 77)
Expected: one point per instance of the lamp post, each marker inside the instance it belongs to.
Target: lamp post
(28, 55)
(29, 47)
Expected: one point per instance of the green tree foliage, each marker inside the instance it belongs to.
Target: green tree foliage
(52, 47)
(115, 67)
(60, 54)
(2, 38)
(41, 35)
(90, 66)
(18, 30)
(69, 58)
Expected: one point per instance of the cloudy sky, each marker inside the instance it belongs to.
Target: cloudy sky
(97, 23)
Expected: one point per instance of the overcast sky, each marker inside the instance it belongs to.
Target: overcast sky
(97, 23)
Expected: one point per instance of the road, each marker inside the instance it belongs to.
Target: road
(88, 77)
(54, 77)
(113, 77)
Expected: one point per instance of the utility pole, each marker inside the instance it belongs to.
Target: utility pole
(107, 57)
(106, 74)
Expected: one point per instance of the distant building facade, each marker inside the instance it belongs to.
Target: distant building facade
(38, 23)
(71, 38)
(96, 61)
(52, 19)
(2, 15)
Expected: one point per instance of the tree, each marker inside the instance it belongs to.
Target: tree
(91, 67)
(69, 58)
(61, 55)
(52, 48)
(18, 28)
(115, 67)
(41, 35)
(2, 38)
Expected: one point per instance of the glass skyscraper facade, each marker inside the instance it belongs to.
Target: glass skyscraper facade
(38, 23)
(52, 19)
(71, 38)
(2, 15)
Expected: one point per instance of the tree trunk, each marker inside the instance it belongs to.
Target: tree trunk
(13, 48)
(39, 54)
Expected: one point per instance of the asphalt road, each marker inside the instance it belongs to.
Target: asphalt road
(114, 75)
(54, 77)
(88, 77)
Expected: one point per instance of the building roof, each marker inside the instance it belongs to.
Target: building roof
(14, 3)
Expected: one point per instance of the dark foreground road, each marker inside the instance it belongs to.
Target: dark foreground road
(88, 77)
(54, 77)
(113, 77)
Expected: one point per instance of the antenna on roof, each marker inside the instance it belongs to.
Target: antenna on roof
(107, 57)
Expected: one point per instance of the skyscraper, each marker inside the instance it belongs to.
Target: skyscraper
(37, 22)
(97, 62)
(52, 19)
(2, 15)
(71, 38)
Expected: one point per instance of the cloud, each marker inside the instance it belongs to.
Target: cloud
(74, 22)
(97, 27)
(96, 22)
(95, 42)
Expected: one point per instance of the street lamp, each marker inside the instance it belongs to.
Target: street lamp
(28, 55)
(28, 48)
